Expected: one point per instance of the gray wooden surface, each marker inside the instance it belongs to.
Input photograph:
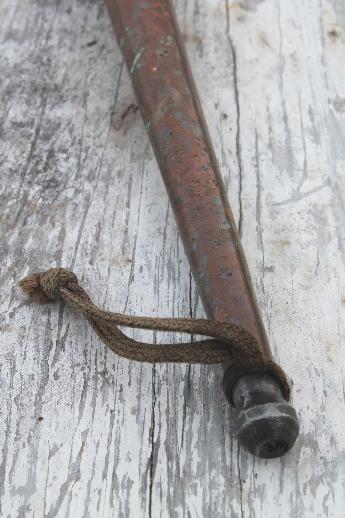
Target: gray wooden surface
(82, 432)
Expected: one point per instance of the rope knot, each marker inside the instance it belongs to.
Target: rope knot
(52, 280)
(45, 287)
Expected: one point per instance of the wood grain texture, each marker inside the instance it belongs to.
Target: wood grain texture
(87, 434)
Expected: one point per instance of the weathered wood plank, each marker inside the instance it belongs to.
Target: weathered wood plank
(80, 187)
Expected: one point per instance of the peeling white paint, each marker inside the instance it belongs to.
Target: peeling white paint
(123, 439)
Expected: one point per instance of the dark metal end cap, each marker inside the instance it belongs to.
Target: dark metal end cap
(268, 430)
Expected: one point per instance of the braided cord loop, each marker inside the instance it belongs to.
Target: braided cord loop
(226, 342)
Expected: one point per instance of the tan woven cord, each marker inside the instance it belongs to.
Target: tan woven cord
(228, 343)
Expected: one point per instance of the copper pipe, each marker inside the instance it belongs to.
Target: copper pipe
(150, 40)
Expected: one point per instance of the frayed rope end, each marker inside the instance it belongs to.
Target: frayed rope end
(31, 286)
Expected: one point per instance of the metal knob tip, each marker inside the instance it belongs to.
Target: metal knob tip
(268, 430)
(266, 424)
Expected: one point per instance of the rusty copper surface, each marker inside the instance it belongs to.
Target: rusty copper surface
(150, 41)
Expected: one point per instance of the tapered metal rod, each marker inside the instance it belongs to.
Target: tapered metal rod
(148, 35)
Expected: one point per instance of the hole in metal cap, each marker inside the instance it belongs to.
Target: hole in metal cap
(272, 449)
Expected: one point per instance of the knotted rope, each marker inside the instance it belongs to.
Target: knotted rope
(228, 342)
